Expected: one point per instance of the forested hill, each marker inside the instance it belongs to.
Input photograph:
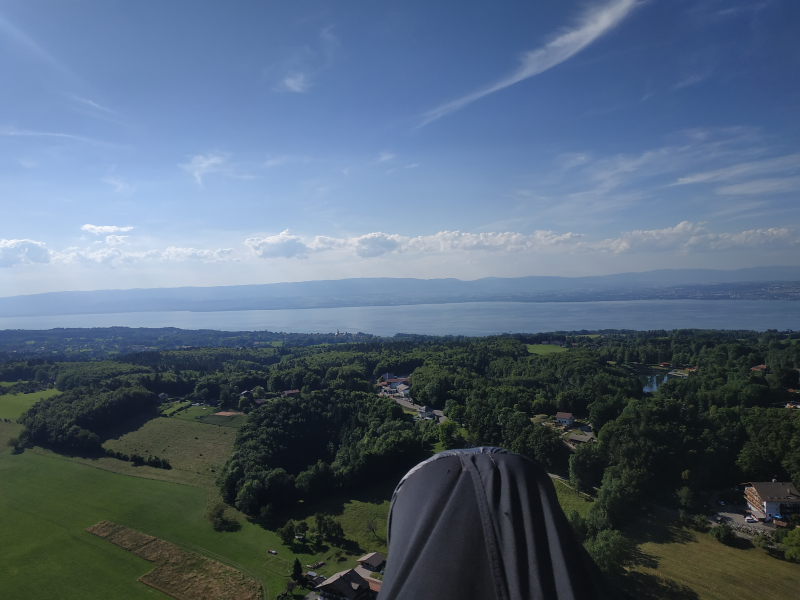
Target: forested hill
(776, 282)
(721, 424)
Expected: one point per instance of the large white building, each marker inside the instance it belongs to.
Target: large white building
(770, 499)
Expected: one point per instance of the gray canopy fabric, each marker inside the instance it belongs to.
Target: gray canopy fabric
(483, 524)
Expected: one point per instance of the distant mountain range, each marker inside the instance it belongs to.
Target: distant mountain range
(762, 283)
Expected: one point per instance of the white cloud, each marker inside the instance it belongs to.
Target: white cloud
(377, 244)
(115, 240)
(178, 254)
(23, 252)
(386, 157)
(296, 82)
(106, 255)
(283, 245)
(201, 165)
(591, 26)
(98, 229)
(686, 237)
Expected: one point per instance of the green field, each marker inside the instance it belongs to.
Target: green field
(46, 502)
(569, 499)
(195, 451)
(675, 563)
(545, 349)
(12, 406)
(193, 411)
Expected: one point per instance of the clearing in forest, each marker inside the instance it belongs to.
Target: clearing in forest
(180, 574)
(545, 349)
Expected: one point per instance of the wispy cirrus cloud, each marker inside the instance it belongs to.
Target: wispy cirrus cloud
(201, 165)
(779, 164)
(28, 45)
(92, 104)
(780, 185)
(296, 82)
(98, 229)
(119, 185)
(13, 132)
(591, 25)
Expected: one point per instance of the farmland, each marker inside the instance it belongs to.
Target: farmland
(47, 502)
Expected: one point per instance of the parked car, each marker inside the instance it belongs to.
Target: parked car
(751, 519)
(722, 503)
(272, 551)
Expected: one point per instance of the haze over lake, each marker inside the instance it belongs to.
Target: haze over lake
(474, 318)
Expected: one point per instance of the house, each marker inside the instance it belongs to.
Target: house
(425, 412)
(162, 397)
(564, 418)
(291, 392)
(372, 561)
(580, 438)
(259, 402)
(768, 499)
(760, 368)
(346, 585)
(246, 394)
(387, 376)
(403, 390)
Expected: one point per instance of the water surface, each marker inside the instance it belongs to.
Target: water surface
(472, 318)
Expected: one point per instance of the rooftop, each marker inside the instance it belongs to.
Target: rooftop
(776, 491)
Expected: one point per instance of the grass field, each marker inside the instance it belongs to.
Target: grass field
(674, 563)
(196, 451)
(46, 502)
(570, 499)
(193, 411)
(11, 406)
(544, 349)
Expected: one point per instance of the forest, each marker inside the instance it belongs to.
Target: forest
(720, 423)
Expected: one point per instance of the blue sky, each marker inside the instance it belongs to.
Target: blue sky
(150, 144)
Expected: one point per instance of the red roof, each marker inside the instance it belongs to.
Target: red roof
(563, 415)
(374, 584)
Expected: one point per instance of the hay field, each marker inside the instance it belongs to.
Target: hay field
(180, 574)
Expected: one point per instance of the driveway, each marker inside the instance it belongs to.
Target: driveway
(734, 514)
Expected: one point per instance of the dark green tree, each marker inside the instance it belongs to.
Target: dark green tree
(297, 570)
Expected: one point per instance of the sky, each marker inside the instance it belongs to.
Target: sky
(198, 143)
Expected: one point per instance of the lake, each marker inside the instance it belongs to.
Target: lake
(469, 318)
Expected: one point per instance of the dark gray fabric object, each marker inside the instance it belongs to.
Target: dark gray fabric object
(483, 524)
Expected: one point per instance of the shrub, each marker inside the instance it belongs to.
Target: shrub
(724, 534)
(608, 549)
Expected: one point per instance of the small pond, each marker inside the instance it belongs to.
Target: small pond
(652, 381)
